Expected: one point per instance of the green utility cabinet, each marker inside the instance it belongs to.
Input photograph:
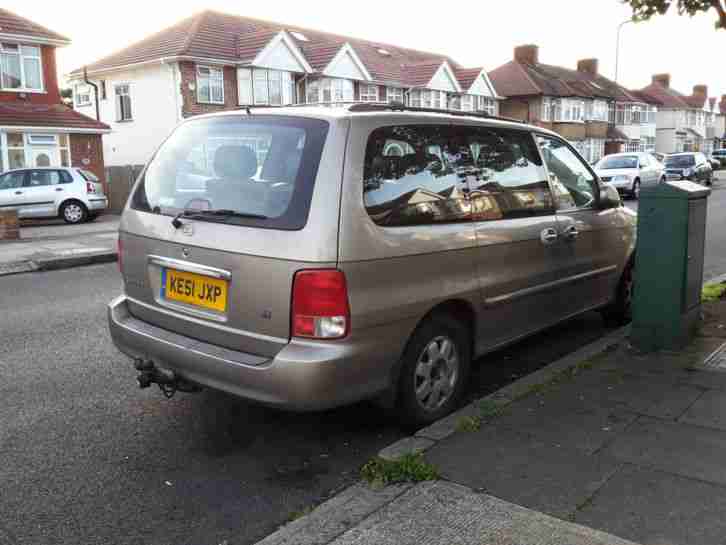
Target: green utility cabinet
(669, 264)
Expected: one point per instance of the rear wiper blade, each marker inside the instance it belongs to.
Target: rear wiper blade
(223, 212)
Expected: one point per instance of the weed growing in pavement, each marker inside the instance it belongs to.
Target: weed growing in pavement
(468, 424)
(299, 514)
(407, 468)
(713, 292)
(489, 410)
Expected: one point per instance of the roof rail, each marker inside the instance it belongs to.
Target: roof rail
(400, 107)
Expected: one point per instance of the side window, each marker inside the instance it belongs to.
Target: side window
(12, 180)
(505, 175)
(573, 184)
(64, 177)
(38, 178)
(412, 176)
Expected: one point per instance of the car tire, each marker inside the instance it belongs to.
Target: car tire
(92, 217)
(620, 311)
(663, 179)
(709, 180)
(434, 371)
(74, 212)
(635, 191)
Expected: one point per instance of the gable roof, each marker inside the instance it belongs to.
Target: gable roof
(530, 79)
(237, 40)
(15, 25)
(666, 96)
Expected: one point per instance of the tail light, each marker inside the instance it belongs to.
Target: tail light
(120, 249)
(320, 308)
(90, 188)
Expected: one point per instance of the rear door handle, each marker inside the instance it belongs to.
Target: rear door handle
(548, 236)
(59, 189)
(18, 192)
(571, 232)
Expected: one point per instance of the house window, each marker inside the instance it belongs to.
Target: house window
(596, 110)
(54, 148)
(486, 105)
(454, 102)
(394, 94)
(16, 150)
(82, 95)
(368, 93)
(467, 103)
(414, 98)
(102, 87)
(20, 67)
(546, 113)
(123, 103)
(329, 90)
(210, 85)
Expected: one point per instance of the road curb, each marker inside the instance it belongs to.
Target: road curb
(351, 506)
(55, 263)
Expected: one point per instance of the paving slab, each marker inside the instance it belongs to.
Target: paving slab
(445, 513)
(674, 447)
(656, 508)
(517, 467)
(709, 411)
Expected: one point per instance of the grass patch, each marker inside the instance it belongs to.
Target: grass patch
(468, 424)
(299, 514)
(713, 292)
(408, 468)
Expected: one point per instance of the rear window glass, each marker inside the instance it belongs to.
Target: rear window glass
(88, 175)
(259, 169)
(720, 152)
(680, 161)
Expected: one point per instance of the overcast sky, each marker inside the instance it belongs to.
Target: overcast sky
(473, 33)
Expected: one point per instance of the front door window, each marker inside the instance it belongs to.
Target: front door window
(573, 184)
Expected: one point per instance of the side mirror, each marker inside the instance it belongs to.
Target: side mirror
(609, 197)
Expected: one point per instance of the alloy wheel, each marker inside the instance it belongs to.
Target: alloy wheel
(437, 373)
(73, 213)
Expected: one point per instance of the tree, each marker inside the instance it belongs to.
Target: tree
(645, 9)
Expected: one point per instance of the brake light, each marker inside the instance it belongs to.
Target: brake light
(120, 250)
(90, 188)
(320, 308)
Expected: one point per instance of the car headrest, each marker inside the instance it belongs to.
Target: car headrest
(238, 162)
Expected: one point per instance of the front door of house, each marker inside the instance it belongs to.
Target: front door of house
(44, 156)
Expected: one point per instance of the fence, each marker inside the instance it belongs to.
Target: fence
(120, 180)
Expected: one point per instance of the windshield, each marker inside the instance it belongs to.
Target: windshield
(259, 169)
(679, 161)
(88, 175)
(619, 161)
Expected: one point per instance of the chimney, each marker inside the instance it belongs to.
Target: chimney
(662, 79)
(589, 66)
(700, 90)
(527, 54)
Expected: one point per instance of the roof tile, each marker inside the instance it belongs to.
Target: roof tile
(11, 23)
(46, 115)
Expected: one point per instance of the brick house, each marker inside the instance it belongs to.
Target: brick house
(582, 105)
(685, 122)
(36, 128)
(214, 61)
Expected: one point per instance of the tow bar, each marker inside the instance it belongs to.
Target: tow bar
(168, 381)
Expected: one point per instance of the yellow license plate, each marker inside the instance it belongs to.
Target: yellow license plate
(194, 289)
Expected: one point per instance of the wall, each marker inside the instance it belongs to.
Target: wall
(50, 82)
(188, 73)
(665, 140)
(153, 107)
(515, 108)
(571, 131)
(596, 129)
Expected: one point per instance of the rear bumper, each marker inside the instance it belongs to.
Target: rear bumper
(302, 376)
(98, 203)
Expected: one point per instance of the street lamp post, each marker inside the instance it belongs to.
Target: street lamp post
(617, 47)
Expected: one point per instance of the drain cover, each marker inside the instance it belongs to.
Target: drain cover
(717, 360)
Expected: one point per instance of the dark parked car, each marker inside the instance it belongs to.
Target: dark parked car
(720, 156)
(691, 165)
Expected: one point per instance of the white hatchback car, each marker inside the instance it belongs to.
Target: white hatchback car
(627, 172)
(74, 194)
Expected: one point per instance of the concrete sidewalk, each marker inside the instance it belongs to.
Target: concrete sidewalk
(601, 444)
(46, 246)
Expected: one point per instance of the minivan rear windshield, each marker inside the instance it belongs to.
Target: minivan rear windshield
(621, 161)
(678, 161)
(254, 170)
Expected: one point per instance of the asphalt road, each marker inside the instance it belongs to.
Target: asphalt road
(715, 259)
(86, 457)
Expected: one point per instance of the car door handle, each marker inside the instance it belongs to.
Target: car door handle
(59, 189)
(18, 192)
(571, 233)
(549, 236)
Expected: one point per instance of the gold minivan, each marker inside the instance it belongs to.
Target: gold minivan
(308, 257)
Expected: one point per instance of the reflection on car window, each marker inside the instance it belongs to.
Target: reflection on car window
(12, 180)
(618, 161)
(411, 177)
(416, 175)
(572, 183)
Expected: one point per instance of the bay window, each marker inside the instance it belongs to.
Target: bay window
(20, 67)
(329, 90)
(467, 103)
(426, 98)
(487, 105)
(264, 86)
(22, 150)
(368, 93)
(394, 94)
(454, 102)
(210, 85)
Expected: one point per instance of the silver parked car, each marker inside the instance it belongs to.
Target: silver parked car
(74, 194)
(628, 172)
(339, 254)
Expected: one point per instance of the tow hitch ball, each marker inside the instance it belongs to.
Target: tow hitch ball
(167, 380)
